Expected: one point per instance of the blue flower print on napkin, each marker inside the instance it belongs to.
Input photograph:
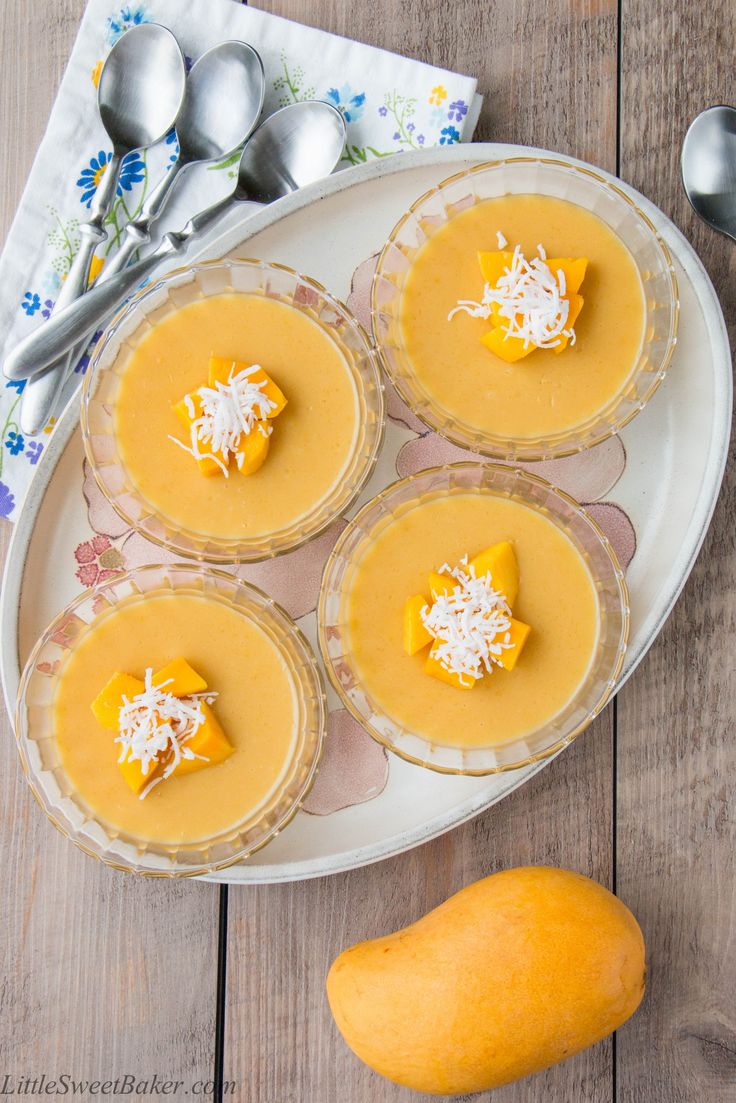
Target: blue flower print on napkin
(348, 103)
(90, 177)
(30, 303)
(130, 15)
(15, 443)
(132, 172)
(449, 135)
(172, 140)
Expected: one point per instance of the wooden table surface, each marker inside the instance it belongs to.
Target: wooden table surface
(104, 975)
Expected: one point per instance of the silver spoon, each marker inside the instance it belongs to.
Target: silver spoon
(222, 101)
(295, 146)
(709, 168)
(139, 95)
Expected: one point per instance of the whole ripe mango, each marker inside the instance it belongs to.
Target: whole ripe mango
(512, 974)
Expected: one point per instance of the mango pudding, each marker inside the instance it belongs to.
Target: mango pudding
(305, 460)
(525, 309)
(171, 720)
(463, 614)
(233, 424)
(501, 338)
(159, 764)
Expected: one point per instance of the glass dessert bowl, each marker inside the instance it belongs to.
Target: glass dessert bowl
(136, 726)
(232, 410)
(465, 271)
(535, 561)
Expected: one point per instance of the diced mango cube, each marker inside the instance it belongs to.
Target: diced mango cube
(416, 635)
(106, 705)
(499, 561)
(441, 584)
(182, 678)
(576, 305)
(255, 448)
(493, 265)
(506, 348)
(133, 774)
(434, 667)
(517, 634)
(574, 269)
(206, 465)
(222, 369)
(209, 741)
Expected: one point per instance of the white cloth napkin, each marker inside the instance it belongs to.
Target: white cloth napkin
(390, 104)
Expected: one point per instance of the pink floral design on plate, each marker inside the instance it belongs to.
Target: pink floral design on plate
(354, 768)
(293, 580)
(587, 476)
(617, 527)
(97, 560)
(48, 668)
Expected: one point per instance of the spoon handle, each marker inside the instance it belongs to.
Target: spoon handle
(91, 234)
(138, 232)
(42, 392)
(40, 395)
(63, 330)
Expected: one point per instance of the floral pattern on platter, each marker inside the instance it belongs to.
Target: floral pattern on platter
(98, 560)
(355, 768)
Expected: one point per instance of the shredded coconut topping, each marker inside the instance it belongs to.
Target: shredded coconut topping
(502, 242)
(530, 297)
(471, 624)
(228, 412)
(155, 726)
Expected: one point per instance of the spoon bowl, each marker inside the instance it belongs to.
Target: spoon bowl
(709, 168)
(293, 147)
(141, 87)
(222, 104)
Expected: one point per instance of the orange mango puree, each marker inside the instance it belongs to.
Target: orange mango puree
(556, 597)
(543, 392)
(255, 706)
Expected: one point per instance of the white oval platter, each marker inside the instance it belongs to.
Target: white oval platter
(654, 489)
